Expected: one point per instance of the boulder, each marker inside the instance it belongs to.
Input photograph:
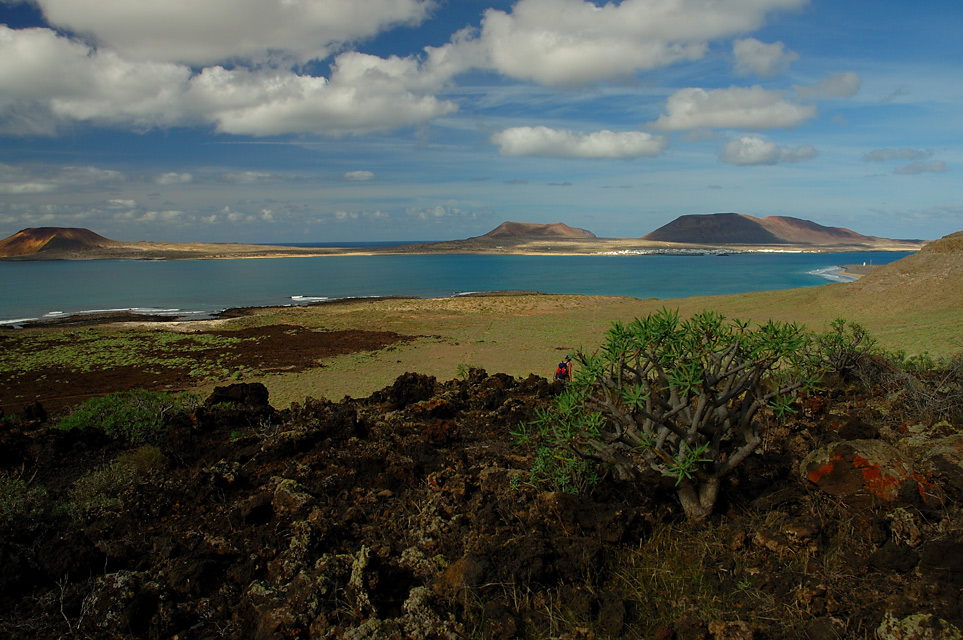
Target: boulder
(919, 626)
(938, 454)
(244, 394)
(868, 469)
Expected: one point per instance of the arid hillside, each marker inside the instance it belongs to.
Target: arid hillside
(741, 229)
(530, 230)
(52, 240)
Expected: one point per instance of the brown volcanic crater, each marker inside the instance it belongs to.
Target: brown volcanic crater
(737, 228)
(52, 239)
(532, 230)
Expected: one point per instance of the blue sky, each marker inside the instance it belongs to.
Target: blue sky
(352, 120)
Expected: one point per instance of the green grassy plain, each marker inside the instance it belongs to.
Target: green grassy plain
(519, 335)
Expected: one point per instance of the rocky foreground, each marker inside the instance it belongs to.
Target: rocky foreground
(409, 514)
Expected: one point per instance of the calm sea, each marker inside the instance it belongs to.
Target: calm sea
(199, 288)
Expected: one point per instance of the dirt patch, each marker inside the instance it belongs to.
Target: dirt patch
(167, 365)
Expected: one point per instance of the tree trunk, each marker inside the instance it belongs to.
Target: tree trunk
(698, 500)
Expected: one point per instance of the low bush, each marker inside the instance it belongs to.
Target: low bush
(21, 504)
(672, 398)
(104, 489)
(137, 416)
(844, 349)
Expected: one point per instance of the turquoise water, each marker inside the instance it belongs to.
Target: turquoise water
(198, 288)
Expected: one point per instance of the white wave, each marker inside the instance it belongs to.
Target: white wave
(833, 273)
(16, 321)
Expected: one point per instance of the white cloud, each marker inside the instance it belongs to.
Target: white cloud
(835, 85)
(736, 107)
(173, 178)
(365, 94)
(359, 176)
(561, 143)
(759, 58)
(913, 168)
(753, 150)
(439, 212)
(212, 31)
(888, 154)
(16, 180)
(43, 72)
(247, 177)
(65, 79)
(573, 42)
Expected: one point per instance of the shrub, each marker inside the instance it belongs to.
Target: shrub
(104, 489)
(679, 398)
(843, 348)
(20, 504)
(928, 389)
(133, 416)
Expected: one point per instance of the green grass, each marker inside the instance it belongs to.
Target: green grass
(100, 349)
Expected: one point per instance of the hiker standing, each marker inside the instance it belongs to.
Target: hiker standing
(563, 371)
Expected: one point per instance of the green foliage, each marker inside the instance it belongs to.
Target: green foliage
(464, 370)
(97, 350)
(20, 504)
(134, 416)
(678, 397)
(844, 347)
(563, 470)
(916, 363)
(104, 489)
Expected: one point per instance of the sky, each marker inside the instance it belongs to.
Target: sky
(326, 121)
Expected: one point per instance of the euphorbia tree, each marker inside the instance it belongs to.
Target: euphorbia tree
(680, 397)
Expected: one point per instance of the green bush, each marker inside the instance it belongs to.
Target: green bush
(20, 504)
(678, 398)
(844, 348)
(104, 489)
(133, 416)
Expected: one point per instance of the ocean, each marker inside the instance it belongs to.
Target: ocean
(202, 288)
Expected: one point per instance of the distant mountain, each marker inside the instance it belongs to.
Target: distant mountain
(52, 240)
(737, 228)
(531, 230)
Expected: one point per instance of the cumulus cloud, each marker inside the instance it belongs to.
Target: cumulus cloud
(766, 60)
(753, 150)
(836, 85)
(562, 143)
(913, 168)
(574, 42)
(66, 79)
(359, 176)
(736, 107)
(44, 72)
(888, 154)
(173, 178)
(365, 93)
(202, 33)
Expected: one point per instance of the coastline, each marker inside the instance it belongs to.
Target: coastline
(176, 310)
(481, 246)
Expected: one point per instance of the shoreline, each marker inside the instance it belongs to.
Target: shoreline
(529, 246)
(130, 316)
